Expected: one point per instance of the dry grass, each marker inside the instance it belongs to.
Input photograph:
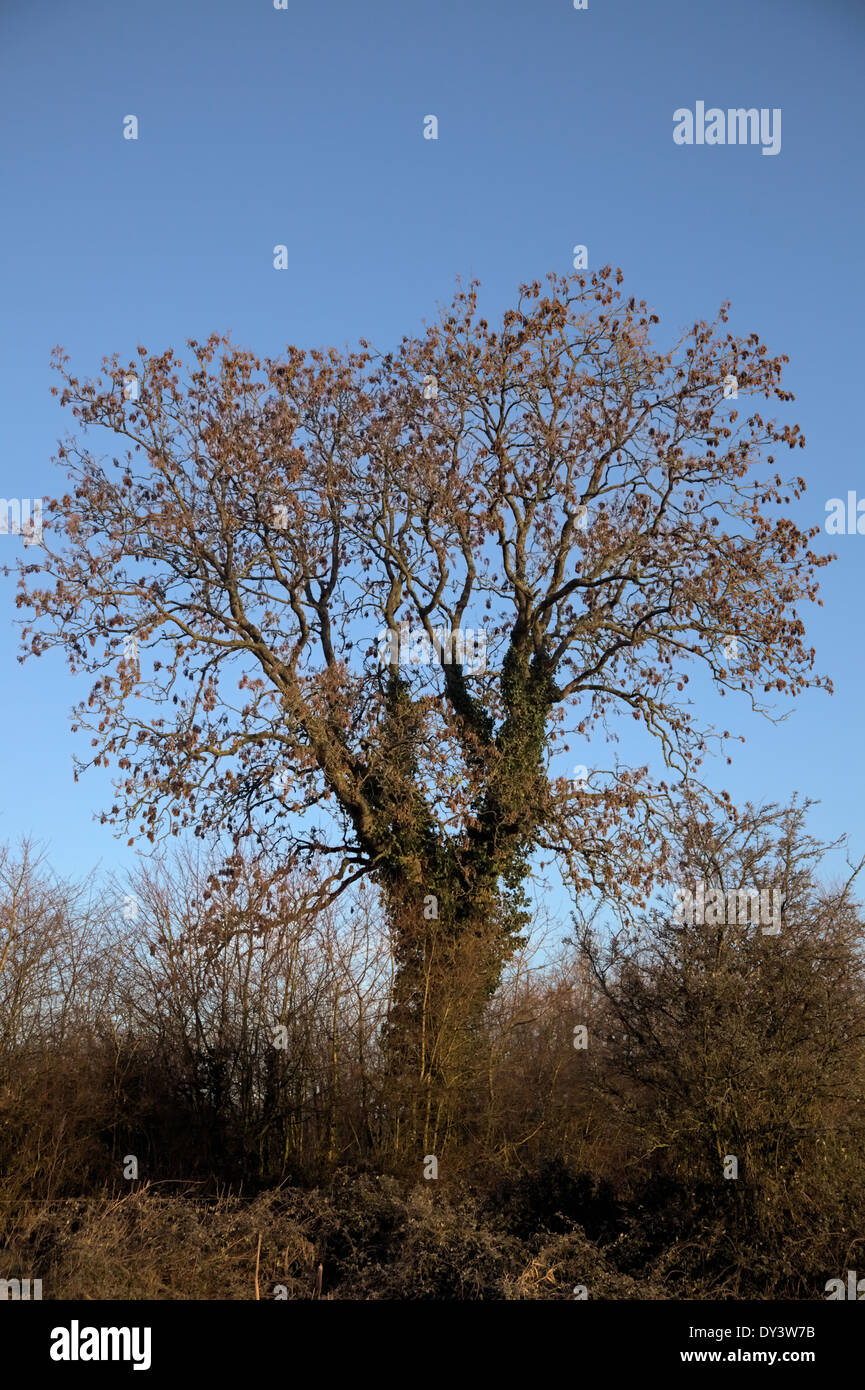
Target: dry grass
(147, 1246)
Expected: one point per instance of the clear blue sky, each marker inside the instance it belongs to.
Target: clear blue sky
(305, 127)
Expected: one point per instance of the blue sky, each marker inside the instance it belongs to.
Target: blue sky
(304, 127)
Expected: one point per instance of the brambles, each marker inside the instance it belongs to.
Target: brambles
(228, 1042)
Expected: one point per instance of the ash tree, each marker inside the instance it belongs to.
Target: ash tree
(601, 509)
